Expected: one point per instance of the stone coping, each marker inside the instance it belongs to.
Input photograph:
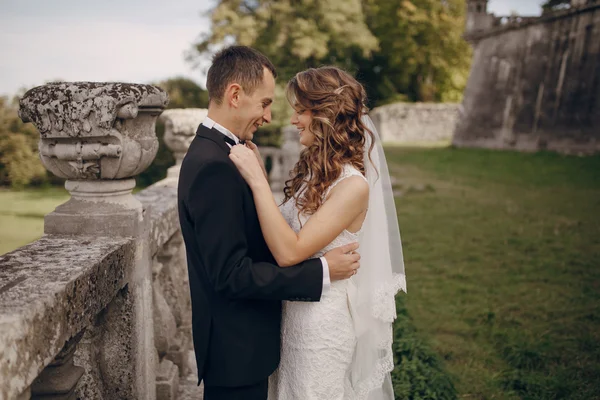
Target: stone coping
(50, 290)
(160, 210)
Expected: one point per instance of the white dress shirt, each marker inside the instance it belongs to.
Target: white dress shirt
(211, 124)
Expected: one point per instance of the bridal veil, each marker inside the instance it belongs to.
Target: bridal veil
(381, 276)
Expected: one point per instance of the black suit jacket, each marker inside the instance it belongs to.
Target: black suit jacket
(235, 285)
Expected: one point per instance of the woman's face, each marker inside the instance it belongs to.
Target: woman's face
(302, 119)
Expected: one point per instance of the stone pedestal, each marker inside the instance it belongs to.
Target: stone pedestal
(101, 207)
(167, 381)
(178, 351)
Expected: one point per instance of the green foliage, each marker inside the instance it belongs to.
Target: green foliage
(400, 49)
(293, 34)
(421, 55)
(418, 373)
(268, 135)
(184, 93)
(553, 5)
(19, 162)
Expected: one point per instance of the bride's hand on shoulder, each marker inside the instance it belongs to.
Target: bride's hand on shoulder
(246, 161)
(254, 148)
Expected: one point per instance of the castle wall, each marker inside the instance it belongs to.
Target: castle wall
(535, 85)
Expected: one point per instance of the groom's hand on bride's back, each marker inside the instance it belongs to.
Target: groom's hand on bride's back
(343, 261)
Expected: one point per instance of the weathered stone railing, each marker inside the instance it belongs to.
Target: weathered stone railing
(99, 307)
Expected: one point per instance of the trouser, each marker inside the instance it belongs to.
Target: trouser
(257, 391)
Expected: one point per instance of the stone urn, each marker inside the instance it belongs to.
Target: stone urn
(92, 130)
(98, 136)
(180, 129)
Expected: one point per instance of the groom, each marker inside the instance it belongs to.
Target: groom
(236, 286)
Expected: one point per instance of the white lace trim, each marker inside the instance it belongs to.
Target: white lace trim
(384, 309)
(384, 303)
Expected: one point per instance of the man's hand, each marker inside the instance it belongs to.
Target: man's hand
(343, 261)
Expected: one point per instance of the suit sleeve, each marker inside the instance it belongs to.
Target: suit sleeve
(215, 206)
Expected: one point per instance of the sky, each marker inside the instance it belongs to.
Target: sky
(116, 40)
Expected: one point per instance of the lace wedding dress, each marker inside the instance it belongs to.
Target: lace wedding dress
(318, 338)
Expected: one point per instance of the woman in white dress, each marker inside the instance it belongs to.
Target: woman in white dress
(339, 193)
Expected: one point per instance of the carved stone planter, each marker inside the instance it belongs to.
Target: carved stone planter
(180, 129)
(98, 136)
(93, 130)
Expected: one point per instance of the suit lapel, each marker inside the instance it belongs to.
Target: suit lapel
(252, 223)
(217, 137)
(213, 135)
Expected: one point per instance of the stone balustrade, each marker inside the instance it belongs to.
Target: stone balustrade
(99, 307)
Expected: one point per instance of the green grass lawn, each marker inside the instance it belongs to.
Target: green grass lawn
(502, 253)
(22, 215)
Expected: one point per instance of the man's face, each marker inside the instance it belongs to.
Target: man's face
(255, 109)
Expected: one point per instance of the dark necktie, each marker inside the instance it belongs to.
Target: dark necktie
(230, 141)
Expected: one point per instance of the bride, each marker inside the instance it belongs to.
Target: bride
(340, 192)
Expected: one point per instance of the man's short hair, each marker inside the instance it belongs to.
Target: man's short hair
(240, 64)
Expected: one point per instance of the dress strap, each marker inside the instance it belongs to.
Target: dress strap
(347, 172)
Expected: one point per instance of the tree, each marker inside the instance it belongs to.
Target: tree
(184, 93)
(19, 162)
(553, 5)
(294, 34)
(422, 56)
(409, 50)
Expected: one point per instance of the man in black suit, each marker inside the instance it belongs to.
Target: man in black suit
(236, 286)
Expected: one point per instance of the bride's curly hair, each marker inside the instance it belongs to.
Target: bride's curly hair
(337, 102)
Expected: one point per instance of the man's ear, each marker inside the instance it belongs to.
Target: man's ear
(232, 95)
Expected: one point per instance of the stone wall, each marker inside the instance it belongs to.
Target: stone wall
(415, 123)
(535, 84)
